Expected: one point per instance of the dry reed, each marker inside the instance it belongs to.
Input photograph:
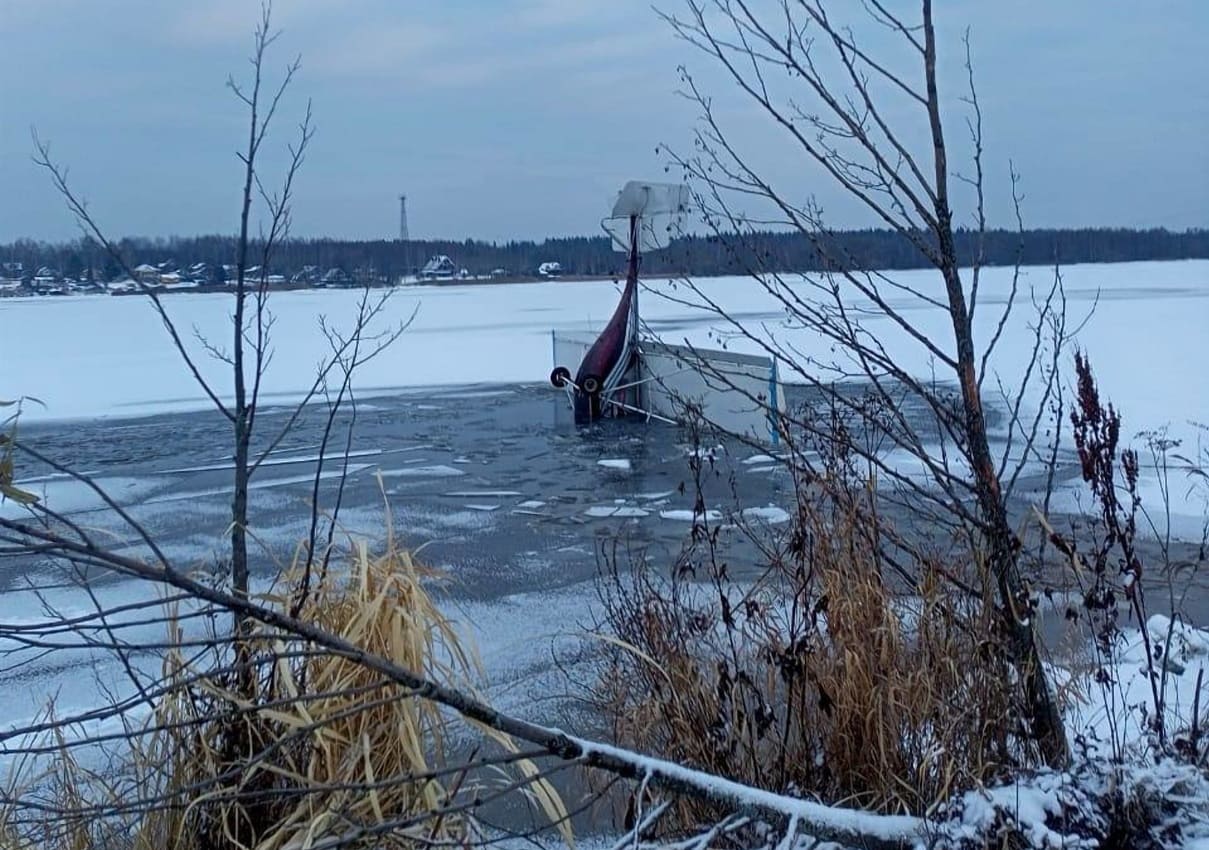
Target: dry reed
(817, 679)
(274, 745)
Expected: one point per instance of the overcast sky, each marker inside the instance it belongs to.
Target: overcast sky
(518, 118)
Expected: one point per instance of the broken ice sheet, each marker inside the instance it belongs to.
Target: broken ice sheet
(601, 511)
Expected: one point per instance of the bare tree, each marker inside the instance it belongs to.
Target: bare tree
(250, 352)
(851, 115)
(243, 414)
(204, 661)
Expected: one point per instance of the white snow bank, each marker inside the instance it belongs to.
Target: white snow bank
(1075, 809)
(1030, 804)
(1121, 710)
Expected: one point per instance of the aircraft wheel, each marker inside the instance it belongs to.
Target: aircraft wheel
(560, 376)
(591, 385)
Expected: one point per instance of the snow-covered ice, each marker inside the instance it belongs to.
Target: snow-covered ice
(691, 516)
(619, 511)
(276, 460)
(256, 484)
(771, 514)
(439, 470)
(104, 356)
(70, 496)
(655, 497)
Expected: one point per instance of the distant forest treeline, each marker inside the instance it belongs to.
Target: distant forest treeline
(593, 255)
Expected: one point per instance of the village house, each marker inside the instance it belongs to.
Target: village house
(336, 277)
(146, 273)
(439, 266)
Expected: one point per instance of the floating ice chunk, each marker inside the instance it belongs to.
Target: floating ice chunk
(691, 516)
(754, 459)
(531, 504)
(439, 470)
(620, 463)
(257, 484)
(770, 514)
(600, 511)
(654, 497)
(482, 494)
(275, 461)
(484, 508)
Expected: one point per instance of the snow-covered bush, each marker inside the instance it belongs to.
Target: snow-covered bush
(1099, 805)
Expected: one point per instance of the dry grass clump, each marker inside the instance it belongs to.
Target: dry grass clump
(817, 679)
(323, 747)
(273, 744)
(298, 752)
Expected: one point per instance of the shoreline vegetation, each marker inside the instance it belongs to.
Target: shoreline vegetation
(205, 263)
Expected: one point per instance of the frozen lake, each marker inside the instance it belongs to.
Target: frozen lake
(98, 356)
(492, 478)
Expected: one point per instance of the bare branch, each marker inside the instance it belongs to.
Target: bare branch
(79, 209)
